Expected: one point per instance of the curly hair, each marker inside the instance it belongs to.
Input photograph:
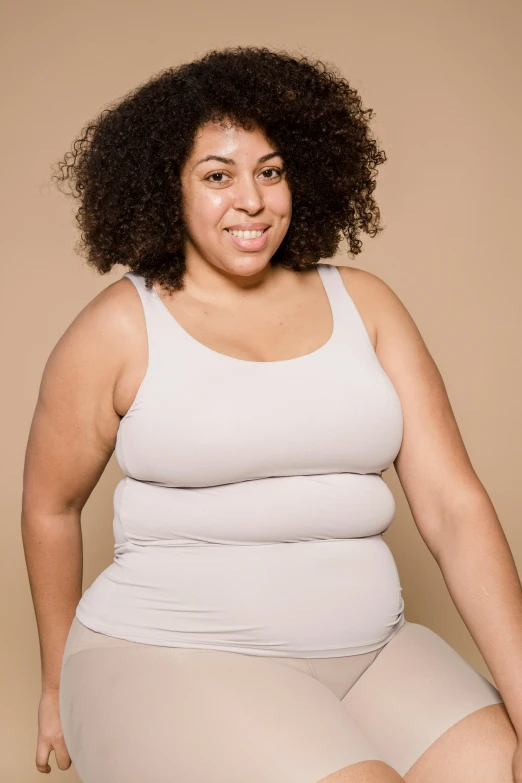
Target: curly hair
(125, 167)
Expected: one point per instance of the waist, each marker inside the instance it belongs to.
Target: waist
(322, 598)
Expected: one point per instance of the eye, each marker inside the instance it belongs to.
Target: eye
(216, 174)
(277, 173)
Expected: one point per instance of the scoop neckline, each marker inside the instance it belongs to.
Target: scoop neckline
(226, 357)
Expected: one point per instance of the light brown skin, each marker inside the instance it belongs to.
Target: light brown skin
(236, 303)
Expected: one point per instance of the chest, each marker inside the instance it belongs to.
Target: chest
(200, 423)
(278, 330)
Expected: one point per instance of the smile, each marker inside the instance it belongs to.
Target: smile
(245, 234)
(254, 240)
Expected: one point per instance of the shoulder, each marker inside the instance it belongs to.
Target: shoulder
(372, 297)
(399, 345)
(96, 346)
(108, 318)
(368, 287)
(75, 420)
(380, 305)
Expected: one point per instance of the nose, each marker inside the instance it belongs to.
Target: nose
(248, 195)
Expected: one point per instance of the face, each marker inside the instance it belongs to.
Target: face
(234, 180)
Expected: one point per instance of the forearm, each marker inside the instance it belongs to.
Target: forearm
(481, 576)
(54, 558)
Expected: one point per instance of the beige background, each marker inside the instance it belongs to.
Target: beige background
(444, 80)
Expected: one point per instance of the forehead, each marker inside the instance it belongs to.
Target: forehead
(223, 138)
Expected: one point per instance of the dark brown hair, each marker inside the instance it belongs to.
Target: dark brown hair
(125, 166)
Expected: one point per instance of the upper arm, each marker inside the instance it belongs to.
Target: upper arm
(433, 465)
(74, 426)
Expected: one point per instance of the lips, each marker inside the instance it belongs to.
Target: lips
(257, 243)
(248, 227)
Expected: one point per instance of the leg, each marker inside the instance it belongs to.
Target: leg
(417, 689)
(477, 749)
(136, 712)
(364, 772)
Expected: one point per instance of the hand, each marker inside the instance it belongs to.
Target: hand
(517, 763)
(50, 735)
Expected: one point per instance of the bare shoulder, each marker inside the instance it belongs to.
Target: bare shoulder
(385, 312)
(75, 421)
(399, 345)
(103, 331)
(109, 334)
(376, 302)
(358, 287)
(116, 307)
(368, 288)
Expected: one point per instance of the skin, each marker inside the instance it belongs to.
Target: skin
(217, 195)
(236, 303)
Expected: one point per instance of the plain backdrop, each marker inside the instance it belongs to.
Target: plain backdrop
(444, 80)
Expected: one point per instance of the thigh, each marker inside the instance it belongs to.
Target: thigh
(415, 689)
(133, 712)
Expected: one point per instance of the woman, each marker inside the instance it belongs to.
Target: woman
(251, 626)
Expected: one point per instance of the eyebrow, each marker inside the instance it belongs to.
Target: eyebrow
(231, 162)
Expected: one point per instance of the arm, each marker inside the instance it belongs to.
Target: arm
(70, 442)
(481, 575)
(71, 439)
(449, 504)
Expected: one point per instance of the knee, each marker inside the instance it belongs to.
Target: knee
(364, 772)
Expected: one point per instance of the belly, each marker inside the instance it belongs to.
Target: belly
(277, 509)
(314, 598)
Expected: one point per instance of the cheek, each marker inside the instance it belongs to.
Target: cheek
(206, 208)
(280, 202)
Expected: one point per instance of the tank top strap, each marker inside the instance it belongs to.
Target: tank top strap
(348, 323)
(154, 323)
(349, 328)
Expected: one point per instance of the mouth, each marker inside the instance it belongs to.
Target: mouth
(257, 243)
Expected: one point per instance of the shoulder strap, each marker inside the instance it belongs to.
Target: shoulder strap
(155, 333)
(348, 320)
(146, 295)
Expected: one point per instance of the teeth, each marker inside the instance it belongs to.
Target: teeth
(245, 234)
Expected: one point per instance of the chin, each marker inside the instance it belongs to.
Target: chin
(245, 265)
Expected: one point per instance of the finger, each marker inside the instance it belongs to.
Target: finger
(43, 766)
(42, 756)
(61, 754)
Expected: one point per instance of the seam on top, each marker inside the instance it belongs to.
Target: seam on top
(121, 432)
(122, 507)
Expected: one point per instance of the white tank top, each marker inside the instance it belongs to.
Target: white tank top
(251, 514)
